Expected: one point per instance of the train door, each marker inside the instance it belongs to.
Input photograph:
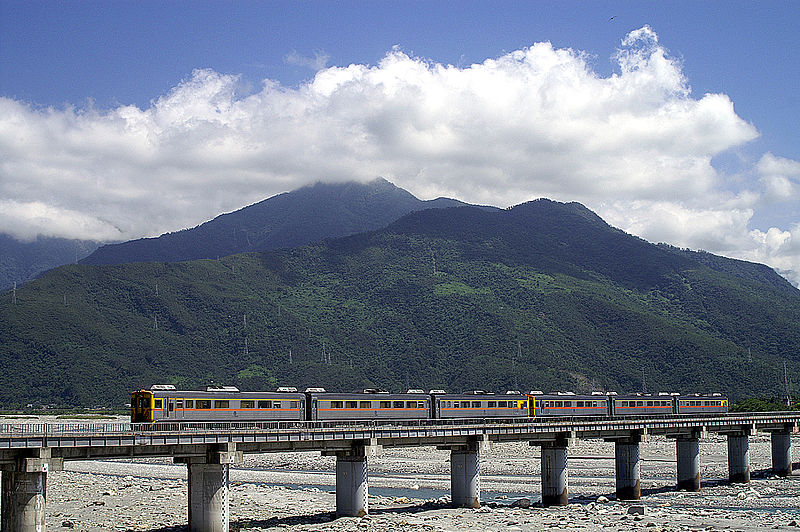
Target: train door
(175, 409)
(314, 407)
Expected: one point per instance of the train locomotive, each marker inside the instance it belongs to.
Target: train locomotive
(164, 403)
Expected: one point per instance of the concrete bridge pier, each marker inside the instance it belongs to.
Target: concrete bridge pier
(739, 457)
(781, 453)
(24, 490)
(465, 471)
(626, 453)
(554, 473)
(352, 479)
(688, 457)
(209, 485)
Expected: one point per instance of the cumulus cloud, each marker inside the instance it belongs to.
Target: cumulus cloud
(636, 145)
(780, 178)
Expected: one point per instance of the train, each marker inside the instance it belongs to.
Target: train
(164, 403)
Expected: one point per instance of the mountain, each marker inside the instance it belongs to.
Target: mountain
(544, 295)
(22, 261)
(287, 220)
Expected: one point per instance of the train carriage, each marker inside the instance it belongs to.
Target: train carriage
(568, 405)
(165, 403)
(480, 405)
(368, 405)
(642, 404)
(702, 404)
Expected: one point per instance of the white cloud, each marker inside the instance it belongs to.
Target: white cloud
(318, 62)
(780, 178)
(636, 146)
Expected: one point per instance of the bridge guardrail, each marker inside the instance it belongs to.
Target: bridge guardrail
(47, 429)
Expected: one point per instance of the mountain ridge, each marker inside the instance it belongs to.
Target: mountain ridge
(289, 219)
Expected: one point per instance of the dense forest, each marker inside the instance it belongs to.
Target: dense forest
(541, 296)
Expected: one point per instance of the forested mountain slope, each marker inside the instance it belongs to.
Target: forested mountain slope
(22, 261)
(541, 296)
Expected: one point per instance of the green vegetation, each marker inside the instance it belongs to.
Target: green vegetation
(765, 404)
(542, 296)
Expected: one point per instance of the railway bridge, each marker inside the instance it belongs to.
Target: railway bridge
(29, 451)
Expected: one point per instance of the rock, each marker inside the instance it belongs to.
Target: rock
(521, 503)
(67, 524)
(741, 495)
(601, 500)
(792, 523)
(636, 509)
(401, 500)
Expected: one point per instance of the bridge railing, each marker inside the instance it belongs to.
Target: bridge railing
(106, 428)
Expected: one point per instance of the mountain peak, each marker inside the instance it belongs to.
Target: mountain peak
(311, 213)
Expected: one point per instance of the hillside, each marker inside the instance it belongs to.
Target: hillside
(541, 296)
(309, 214)
(22, 261)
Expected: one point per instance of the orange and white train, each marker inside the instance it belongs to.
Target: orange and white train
(224, 403)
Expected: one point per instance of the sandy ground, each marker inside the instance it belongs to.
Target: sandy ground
(409, 490)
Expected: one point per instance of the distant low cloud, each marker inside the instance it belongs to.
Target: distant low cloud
(318, 62)
(636, 146)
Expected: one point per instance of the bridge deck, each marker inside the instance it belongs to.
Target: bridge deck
(76, 441)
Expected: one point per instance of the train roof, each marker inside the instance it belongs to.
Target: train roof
(223, 394)
(368, 395)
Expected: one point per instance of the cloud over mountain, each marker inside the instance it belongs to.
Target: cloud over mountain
(635, 146)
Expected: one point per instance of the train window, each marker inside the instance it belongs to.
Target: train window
(351, 404)
(294, 404)
(476, 404)
(158, 403)
(639, 403)
(221, 404)
(492, 404)
(422, 404)
(411, 404)
(558, 404)
(502, 404)
(265, 404)
(204, 404)
(247, 404)
(397, 404)
(580, 404)
(337, 404)
(189, 403)
(365, 404)
(179, 403)
(386, 404)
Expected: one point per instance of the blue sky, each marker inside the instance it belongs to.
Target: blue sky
(71, 72)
